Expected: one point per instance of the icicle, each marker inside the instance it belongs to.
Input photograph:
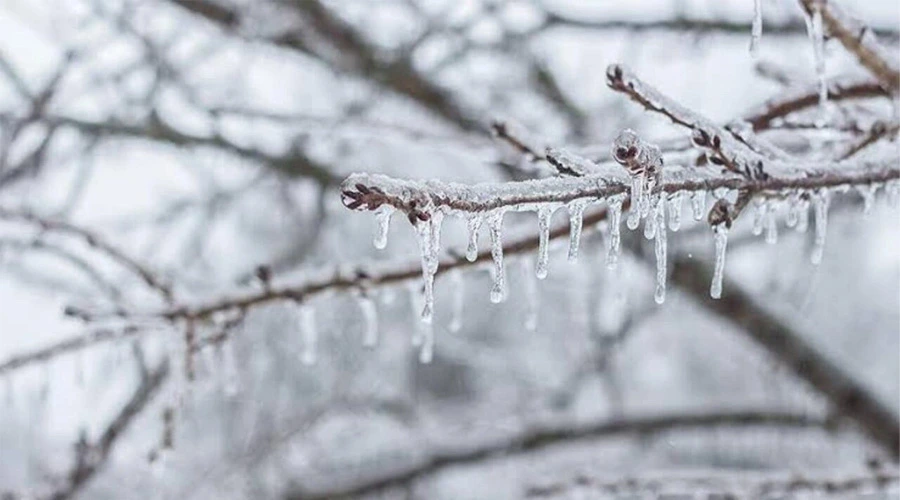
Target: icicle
(637, 194)
(771, 225)
(721, 237)
(383, 218)
(698, 204)
(457, 287)
(370, 320)
(543, 258)
(893, 192)
(817, 36)
(660, 215)
(756, 31)
(821, 200)
(793, 210)
(675, 211)
(430, 245)
(614, 240)
(310, 334)
(532, 301)
(802, 216)
(759, 215)
(650, 222)
(473, 224)
(576, 213)
(498, 290)
(868, 195)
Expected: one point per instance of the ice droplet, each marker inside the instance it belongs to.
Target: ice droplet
(473, 224)
(721, 239)
(821, 200)
(576, 215)
(426, 351)
(498, 290)
(457, 288)
(307, 318)
(675, 211)
(614, 240)
(660, 215)
(543, 258)
(698, 204)
(383, 218)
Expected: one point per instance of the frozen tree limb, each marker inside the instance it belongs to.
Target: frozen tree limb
(541, 436)
(858, 40)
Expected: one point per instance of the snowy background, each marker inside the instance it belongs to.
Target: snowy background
(258, 423)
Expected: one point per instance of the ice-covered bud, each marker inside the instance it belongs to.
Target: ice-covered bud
(626, 147)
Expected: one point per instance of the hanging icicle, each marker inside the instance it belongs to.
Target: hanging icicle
(430, 243)
(369, 319)
(383, 219)
(307, 319)
(698, 204)
(675, 211)
(576, 216)
(660, 217)
(759, 215)
(867, 192)
(721, 240)
(821, 200)
(473, 224)
(637, 194)
(816, 33)
(613, 242)
(771, 224)
(498, 290)
(756, 30)
(650, 222)
(541, 266)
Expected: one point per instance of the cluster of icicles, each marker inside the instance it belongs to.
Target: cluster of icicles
(658, 211)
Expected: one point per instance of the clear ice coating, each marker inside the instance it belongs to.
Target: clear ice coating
(543, 258)
(576, 216)
(614, 240)
(473, 224)
(675, 211)
(821, 200)
(756, 30)
(307, 318)
(498, 289)
(383, 219)
(659, 214)
(637, 194)
(457, 289)
(370, 320)
(720, 232)
(698, 204)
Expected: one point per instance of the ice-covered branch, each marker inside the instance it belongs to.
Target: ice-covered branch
(72, 344)
(533, 439)
(726, 485)
(857, 39)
